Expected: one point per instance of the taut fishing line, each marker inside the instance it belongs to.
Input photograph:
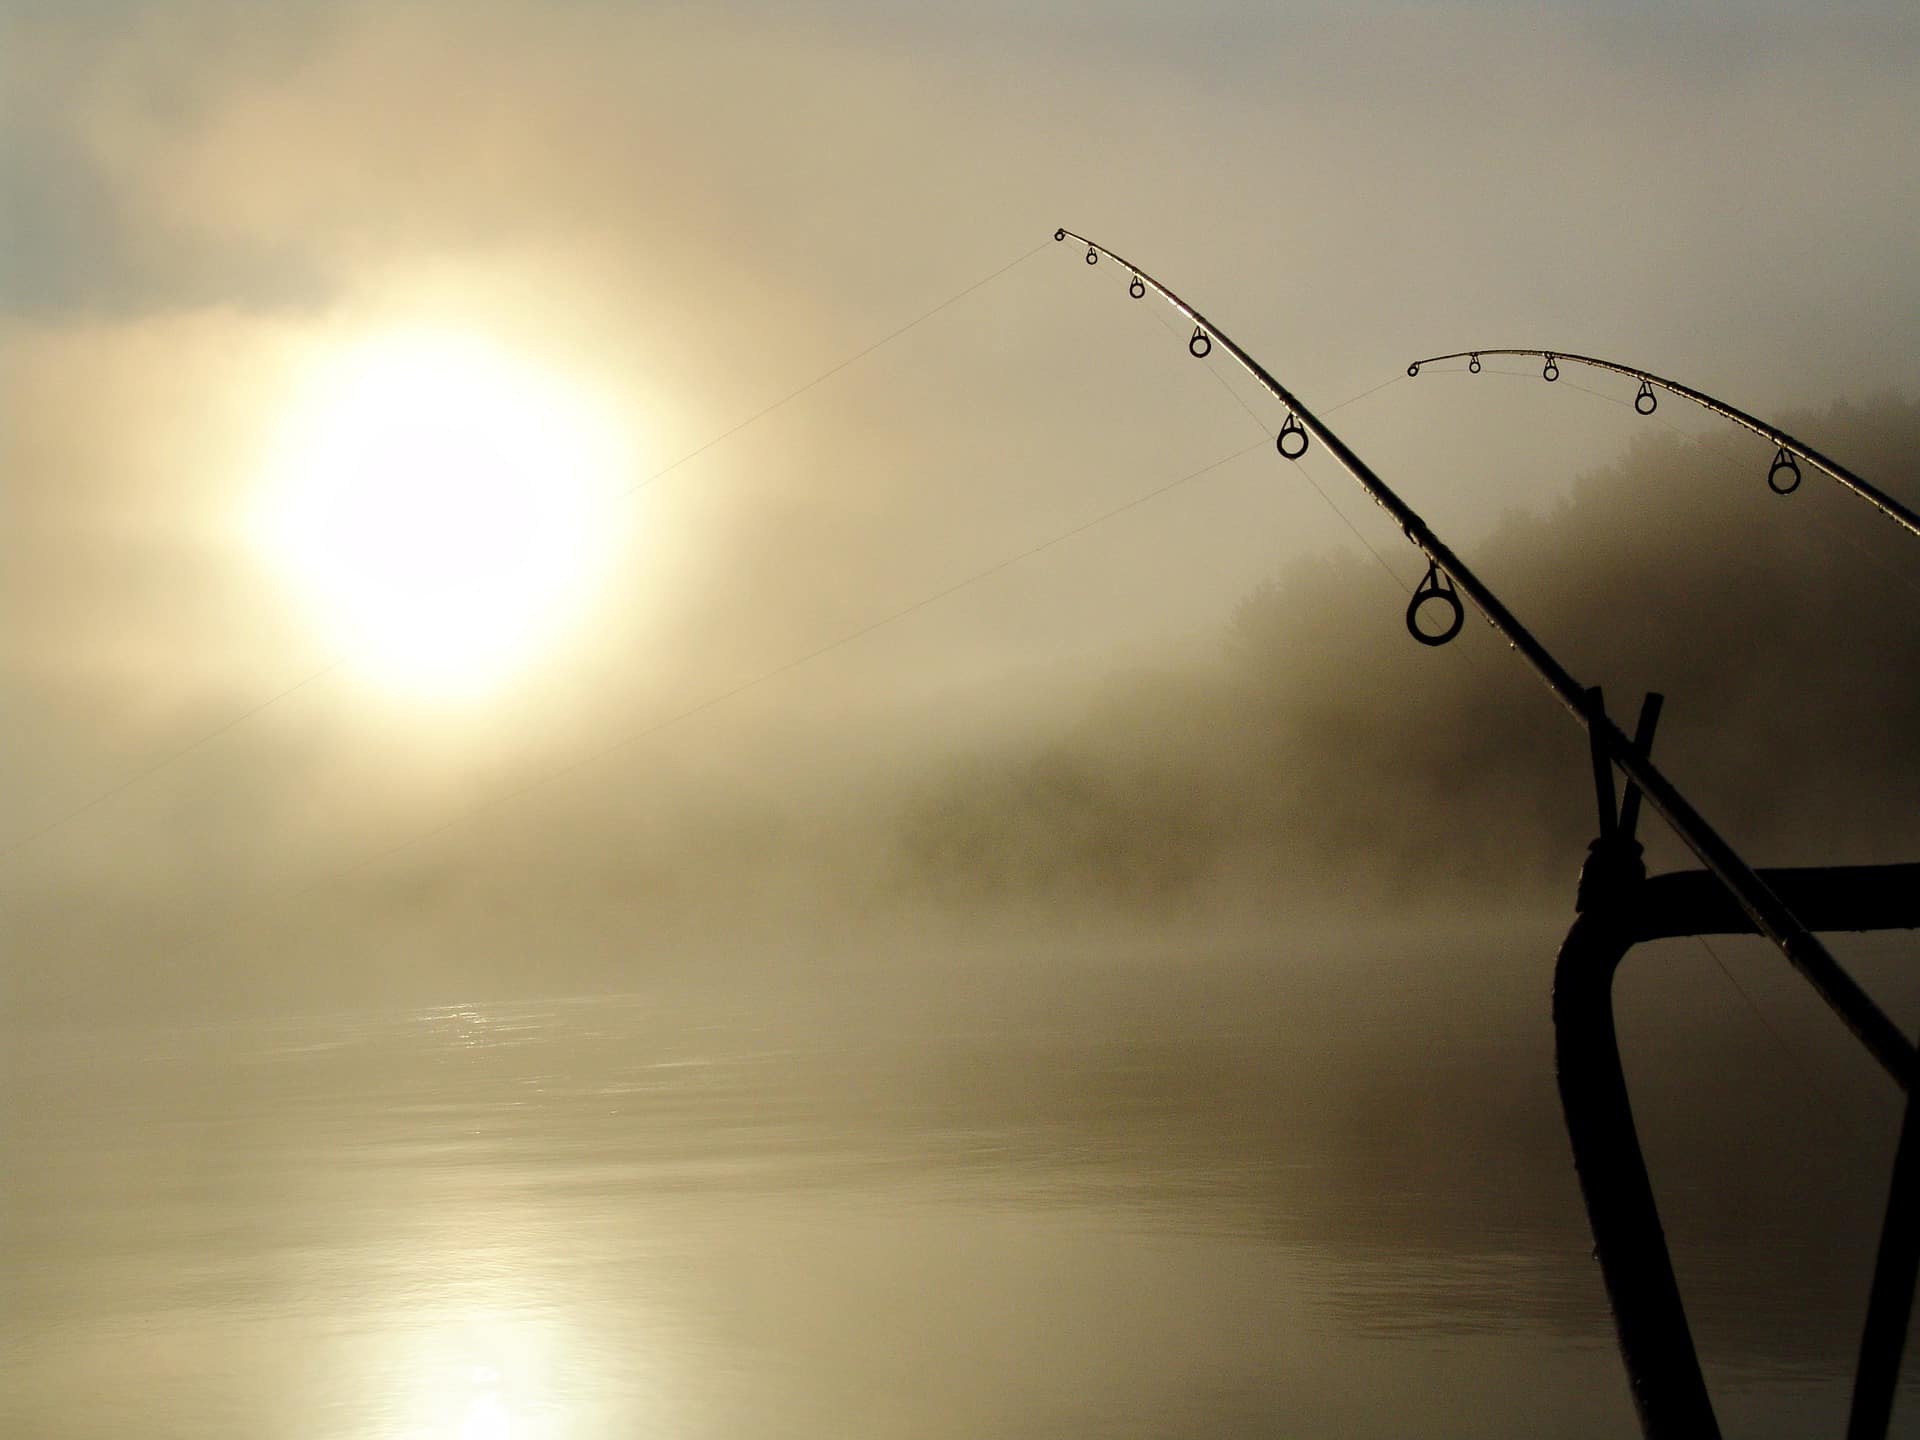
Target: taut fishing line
(1795, 1061)
(1136, 289)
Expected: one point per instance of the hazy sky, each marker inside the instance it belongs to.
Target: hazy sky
(691, 211)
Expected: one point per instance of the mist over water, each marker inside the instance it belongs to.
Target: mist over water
(1311, 1191)
(1297, 760)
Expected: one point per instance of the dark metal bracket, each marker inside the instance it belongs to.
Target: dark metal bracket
(1621, 907)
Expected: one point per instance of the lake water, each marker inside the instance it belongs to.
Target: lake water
(1180, 1211)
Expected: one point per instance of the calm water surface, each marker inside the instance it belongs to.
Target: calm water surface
(628, 1217)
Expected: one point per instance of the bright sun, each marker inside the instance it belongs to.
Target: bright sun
(443, 508)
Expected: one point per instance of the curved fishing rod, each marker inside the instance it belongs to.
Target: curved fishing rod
(1783, 476)
(1445, 571)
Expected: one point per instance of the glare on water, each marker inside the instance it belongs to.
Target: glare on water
(628, 1216)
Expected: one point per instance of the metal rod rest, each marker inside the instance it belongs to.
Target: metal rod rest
(1770, 917)
(1617, 913)
(1872, 494)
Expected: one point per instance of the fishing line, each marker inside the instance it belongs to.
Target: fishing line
(827, 375)
(1356, 399)
(1307, 474)
(1623, 404)
(1879, 563)
(1794, 1060)
(1207, 364)
(1379, 559)
(339, 660)
(176, 756)
(1564, 384)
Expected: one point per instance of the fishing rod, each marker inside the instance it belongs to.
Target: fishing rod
(1448, 574)
(1783, 476)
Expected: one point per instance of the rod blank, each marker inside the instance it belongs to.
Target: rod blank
(1788, 446)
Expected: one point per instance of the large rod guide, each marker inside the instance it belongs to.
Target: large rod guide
(1769, 915)
(1783, 475)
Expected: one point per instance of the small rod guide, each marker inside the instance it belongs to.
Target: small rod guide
(1872, 494)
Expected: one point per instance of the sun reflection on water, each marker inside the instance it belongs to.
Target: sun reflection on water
(485, 1376)
(488, 1418)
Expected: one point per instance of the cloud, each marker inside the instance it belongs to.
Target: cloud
(81, 233)
(74, 243)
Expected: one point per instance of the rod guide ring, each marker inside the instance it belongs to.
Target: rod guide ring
(1782, 461)
(1438, 587)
